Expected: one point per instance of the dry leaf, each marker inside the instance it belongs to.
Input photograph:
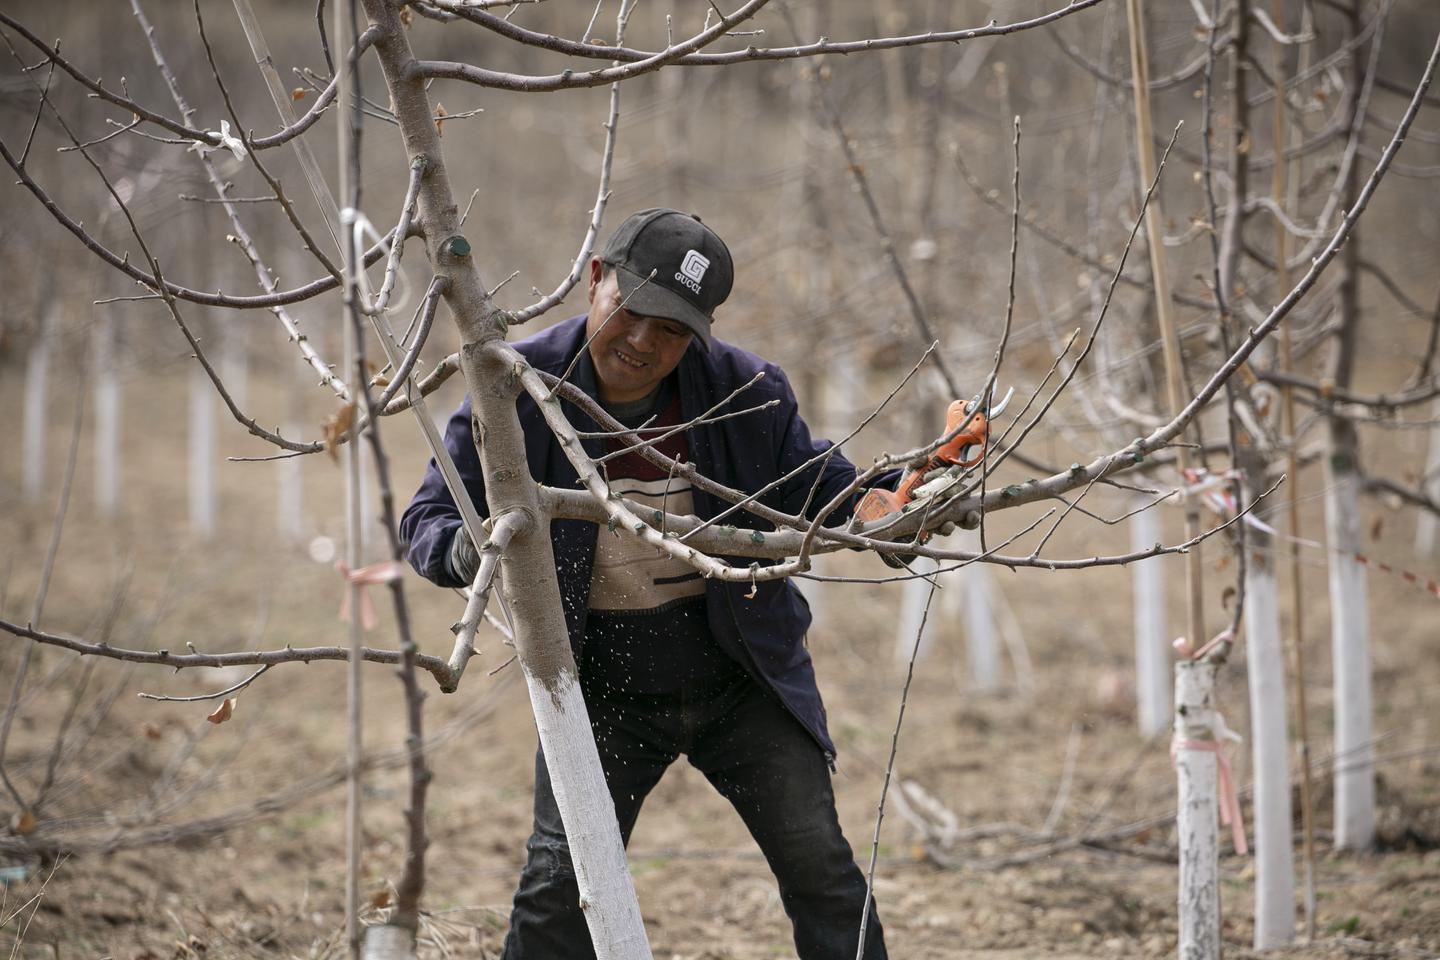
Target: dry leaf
(380, 380)
(337, 427)
(440, 119)
(1377, 528)
(223, 712)
(24, 823)
(151, 731)
(380, 898)
(406, 17)
(298, 93)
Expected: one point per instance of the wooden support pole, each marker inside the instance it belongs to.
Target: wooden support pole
(1280, 188)
(1154, 234)
(342, 11)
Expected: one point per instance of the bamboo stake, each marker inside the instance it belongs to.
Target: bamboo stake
(1154, 232)
(352, 491)
(1279, 188)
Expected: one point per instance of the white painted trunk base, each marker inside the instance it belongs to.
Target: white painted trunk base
(290, 492)
(387, 942)
(1350, 653)
(1197, 813)
(201, 478)
(37, 402)
(967, 598)
(107, 418)
(1274, 835)
(1428, 525)
(912, 608)
(607, 893)
(235, 364)
(1152, 644)
(982, 635)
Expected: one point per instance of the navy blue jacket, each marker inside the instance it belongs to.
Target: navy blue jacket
(765, 633)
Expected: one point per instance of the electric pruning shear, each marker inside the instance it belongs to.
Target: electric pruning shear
(964, 447)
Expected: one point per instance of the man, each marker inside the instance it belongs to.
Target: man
(670, 662)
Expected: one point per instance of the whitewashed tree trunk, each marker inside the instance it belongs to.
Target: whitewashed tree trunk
(1349, 615)
(1265, 664)
(1426, 528)
(842, 387)
(982, 640)
(530, 585)
(1350, 653)
(1152, 647)
(289, 474)
(290, 506)
(37, 404)
(1196, 823)
(235, 364)
(913, 597)
(388, 942)
(202, 453)
(107, 416)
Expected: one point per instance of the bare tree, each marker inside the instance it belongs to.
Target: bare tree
(519, 564)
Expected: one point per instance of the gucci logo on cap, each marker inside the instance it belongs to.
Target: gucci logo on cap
(692, 269)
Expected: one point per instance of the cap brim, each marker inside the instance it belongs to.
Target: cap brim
(652, 300)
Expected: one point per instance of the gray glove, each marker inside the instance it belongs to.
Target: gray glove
(463, 560)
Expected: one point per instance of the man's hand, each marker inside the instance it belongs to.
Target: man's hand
(463, 560)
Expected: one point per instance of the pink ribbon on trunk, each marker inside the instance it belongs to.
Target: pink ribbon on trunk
(1229, 799)
(371, 576)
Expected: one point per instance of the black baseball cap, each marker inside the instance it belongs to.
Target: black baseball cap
(668, 264)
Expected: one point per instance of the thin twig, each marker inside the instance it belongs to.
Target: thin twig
(211, 696)
(890, 769)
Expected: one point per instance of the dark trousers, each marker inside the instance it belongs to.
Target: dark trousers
(760, 759)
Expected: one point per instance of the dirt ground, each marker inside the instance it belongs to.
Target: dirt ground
(197, 840)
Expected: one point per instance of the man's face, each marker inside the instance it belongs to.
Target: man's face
(631, 353)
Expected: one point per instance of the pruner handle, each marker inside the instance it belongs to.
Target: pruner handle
(953, 451)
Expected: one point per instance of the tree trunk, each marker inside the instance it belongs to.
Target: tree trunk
(37, 404)
(909, 641)
(982, 642)
(1350, 645)
(235, 364)
(1195, 776)
(202, 453)
(1152, 647)
(107, 417)
(290, 490)
(1426, 540)
(1274, 842)
(530, 586)
(388, 942)
(1349, 616)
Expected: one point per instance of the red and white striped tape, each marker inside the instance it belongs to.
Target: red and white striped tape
(1214, 491)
